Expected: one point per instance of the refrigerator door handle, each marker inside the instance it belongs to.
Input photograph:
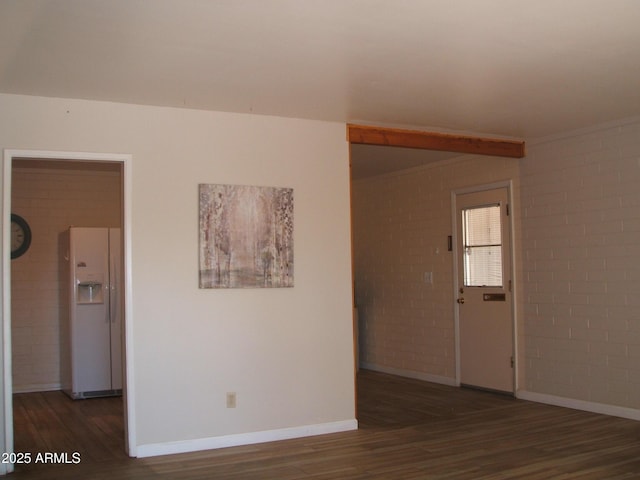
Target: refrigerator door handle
(107, 313)
(113, 292)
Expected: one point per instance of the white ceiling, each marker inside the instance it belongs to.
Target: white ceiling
(510, 68)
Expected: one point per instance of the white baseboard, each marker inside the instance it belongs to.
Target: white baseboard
(168, 448)
(410, 374)
(40, 387)
(593, 407)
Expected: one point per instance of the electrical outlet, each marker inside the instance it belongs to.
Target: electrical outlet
(231, 399)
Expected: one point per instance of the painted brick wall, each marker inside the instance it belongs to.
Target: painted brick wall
(50, 200)
(400, 226)
(581, 266)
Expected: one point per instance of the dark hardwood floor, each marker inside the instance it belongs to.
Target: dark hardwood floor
(408, 430)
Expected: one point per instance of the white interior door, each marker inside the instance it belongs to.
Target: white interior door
(484, 298)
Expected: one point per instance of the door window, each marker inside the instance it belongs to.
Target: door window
(482, 237)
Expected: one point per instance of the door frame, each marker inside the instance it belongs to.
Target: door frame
(508, 184)
(7, 387)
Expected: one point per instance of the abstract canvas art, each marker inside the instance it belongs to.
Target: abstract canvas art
(246, 236)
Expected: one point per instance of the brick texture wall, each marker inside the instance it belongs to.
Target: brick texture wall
(51, 199)
(580, 216)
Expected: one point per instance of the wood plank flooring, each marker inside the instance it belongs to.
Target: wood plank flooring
(408, 430)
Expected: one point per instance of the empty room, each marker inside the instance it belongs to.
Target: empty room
(357, 239)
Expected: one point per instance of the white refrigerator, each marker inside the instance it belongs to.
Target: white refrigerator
(95, 313)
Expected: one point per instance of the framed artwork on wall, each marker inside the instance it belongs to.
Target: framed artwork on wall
(245, 237)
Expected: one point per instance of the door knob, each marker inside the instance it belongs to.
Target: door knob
(460, 300)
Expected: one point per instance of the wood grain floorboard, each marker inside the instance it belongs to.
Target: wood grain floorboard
(409, 430)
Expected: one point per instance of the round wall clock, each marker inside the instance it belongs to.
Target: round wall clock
(20, 236)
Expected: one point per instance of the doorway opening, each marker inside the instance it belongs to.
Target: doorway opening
(402, 237)
(53, 191)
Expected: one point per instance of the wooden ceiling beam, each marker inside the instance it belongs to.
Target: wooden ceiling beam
(394, 137)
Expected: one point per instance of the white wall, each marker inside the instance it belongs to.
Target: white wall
(288, 353)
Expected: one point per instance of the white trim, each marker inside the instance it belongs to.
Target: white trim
(456, 287)
(7, 414)
(167, 448)
(427, 377)
(514, 284)
(508, 184)
(126, 160)
(586, 406)
(129, 390)
(38, 387)
(456, 311)
(55, 155)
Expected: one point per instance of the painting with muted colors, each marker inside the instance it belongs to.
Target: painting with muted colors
(246, 236)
